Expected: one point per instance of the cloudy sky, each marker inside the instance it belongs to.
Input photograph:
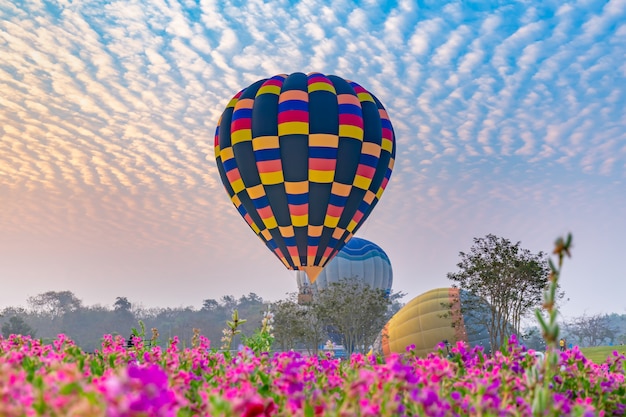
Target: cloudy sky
(509, 117)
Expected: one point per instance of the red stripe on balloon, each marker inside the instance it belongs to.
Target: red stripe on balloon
(350, 119)
(387, 133)
(265, 212)
(298, 209)
(240, 124)
(334, 211)
(293, 116)
(269, 166)
(233, 175)
(321, 164)
(366, 171)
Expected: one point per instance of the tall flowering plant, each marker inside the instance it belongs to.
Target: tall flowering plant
(263, 338)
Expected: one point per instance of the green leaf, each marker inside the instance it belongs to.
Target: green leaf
(71, 388)
(96, 367)
(309, 411)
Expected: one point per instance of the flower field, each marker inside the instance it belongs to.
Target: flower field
(59, 379)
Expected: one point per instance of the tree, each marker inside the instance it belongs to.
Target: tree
(122, 305)
(353, 310)
(210, 305)
(55, 303)
(594, 330)
(508, 278)
(17, 325)
(296, 325)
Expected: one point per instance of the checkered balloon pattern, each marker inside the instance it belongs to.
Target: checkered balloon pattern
(304, 159)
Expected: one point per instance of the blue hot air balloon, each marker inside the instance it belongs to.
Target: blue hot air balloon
(359, 259)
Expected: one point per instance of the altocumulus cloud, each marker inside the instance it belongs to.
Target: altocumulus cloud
(108, 111)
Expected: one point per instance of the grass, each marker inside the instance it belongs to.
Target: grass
(598, 354)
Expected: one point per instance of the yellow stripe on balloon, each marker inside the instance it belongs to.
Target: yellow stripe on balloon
(238, 185)
(387, 145)
(365, 97)
(226, 154)
(269, 89)
(241, 135)
(300, 221)
(330, 221)
(362, 182)
(293, 128)
(321, 86)
(323, 177)
(349, 131)
(270, 223)
(271, 178)
(233, 101)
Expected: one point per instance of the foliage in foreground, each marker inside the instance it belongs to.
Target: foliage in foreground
(135, 380)
(60, 379)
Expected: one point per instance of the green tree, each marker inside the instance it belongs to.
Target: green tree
(297, 326)
(509, 278)
(17, 325)
(354, 311)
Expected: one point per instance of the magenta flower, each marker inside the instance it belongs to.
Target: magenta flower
(142, 391)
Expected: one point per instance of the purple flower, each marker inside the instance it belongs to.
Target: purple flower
(144, 391)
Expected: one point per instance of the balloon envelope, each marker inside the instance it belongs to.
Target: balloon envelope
(359, 259)
(304, 159)
(427, 320)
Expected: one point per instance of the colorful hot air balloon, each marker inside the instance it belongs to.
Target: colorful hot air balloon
(359, 259)
(305, 158)
(427, 320)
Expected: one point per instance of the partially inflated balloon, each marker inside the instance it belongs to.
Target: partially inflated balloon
(432, 318)
(305, 158)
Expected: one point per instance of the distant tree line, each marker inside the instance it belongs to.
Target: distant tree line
(348, 313)
(54, 312)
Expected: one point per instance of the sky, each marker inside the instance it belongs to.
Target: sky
(509, 118)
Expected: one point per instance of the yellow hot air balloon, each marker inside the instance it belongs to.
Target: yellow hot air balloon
(427, 320)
